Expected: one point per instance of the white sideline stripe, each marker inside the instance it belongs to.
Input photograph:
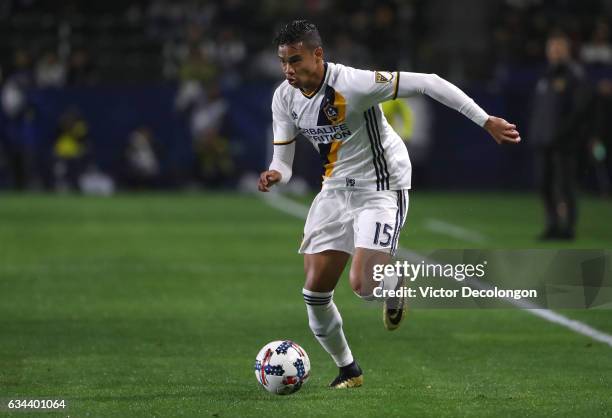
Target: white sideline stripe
(298, 210)
(284, 204)
(529, 307)
(455, 231)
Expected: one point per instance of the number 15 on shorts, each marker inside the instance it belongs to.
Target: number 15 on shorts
(383, 236)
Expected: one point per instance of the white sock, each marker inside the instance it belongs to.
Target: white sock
(389, 282)
(326, 324)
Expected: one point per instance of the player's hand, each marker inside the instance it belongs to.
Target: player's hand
(267, 179)
(502, 131)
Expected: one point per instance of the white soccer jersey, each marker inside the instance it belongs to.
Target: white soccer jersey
(346, 126)
(344, 122)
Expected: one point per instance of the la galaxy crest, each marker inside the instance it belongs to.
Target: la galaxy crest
(331, 112)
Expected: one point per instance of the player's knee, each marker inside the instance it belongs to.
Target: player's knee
(362, 284)
(357, 284)
(313, 280)
(317, 281)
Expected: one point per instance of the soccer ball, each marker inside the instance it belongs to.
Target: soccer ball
(282, 367)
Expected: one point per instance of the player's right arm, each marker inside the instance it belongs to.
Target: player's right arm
(285, 133)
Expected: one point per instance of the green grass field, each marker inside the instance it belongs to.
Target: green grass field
(156, 305)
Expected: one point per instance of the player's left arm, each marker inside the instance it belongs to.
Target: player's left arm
(409, 84)
(380, 86)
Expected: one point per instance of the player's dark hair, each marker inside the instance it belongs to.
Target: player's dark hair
(298, 31)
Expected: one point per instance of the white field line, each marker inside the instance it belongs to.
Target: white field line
(445, 228)
(529, 307)
(298, 210)
(284, 204)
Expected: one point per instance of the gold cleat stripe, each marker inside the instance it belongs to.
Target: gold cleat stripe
(353, 382)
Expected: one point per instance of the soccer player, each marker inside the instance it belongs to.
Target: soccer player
(363, 202)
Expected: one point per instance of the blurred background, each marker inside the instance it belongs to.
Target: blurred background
(99, 97)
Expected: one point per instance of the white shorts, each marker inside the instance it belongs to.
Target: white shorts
(345, 219)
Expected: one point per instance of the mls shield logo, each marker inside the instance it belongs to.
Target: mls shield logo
(331, 112)
(383, 76)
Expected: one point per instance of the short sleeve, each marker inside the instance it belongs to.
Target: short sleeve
(373, 87)
(283, 125)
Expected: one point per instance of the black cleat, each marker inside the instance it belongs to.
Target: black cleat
(394, 309)
(350, 376)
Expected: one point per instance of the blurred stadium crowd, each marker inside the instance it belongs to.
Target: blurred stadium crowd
(205, 49)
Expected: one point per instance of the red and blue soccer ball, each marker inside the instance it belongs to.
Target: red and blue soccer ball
(282, 367)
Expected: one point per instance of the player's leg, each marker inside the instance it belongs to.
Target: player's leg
(377, 230)
(322, 273)
(327, 244)
(362, 271)
(363, 284)
(323, 270)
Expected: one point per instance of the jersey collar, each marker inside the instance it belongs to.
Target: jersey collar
(314, 93)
